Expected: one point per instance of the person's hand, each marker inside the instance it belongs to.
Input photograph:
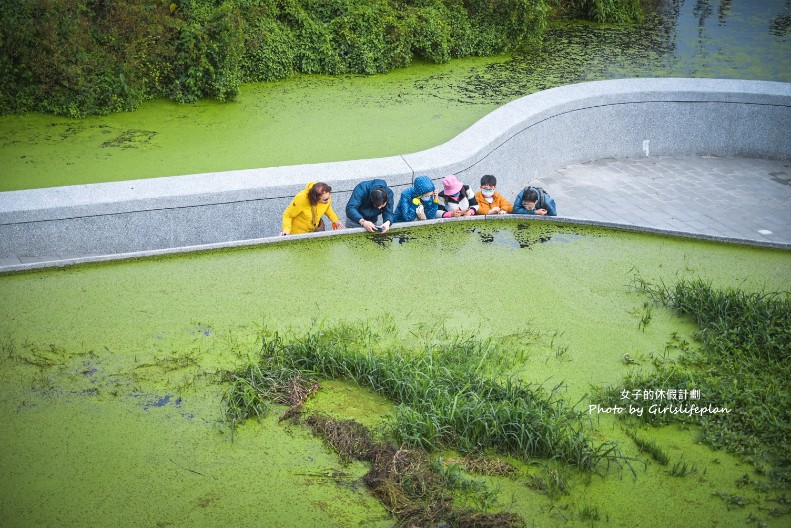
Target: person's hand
(338, 225)
(457, 212)
(469, 212)
(283, 233)
(369, 226)
(385, 227)
(436, 195)
(502, 211)
(541, 212)
(495, 210)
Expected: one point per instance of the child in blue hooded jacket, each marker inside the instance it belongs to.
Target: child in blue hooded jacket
(418, 202)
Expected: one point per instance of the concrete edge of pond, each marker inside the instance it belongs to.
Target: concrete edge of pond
(525, 139)
(589, 137)
(67, 263)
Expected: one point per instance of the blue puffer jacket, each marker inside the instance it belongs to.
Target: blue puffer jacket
(405, 212)
(545, 201)
(360, 205)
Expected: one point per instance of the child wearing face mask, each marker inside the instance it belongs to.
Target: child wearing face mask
(456, 199)
(418, 202)
(489, 200)
(534, 200)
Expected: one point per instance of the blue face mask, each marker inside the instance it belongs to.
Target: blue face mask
(487, 192)
(426, 198)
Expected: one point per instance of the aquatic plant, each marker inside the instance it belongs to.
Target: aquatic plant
(552, 480)
(741, 371)
(253, 389)
(479, 464)
(645, 319)
(733, 500)
(650, 447)
(590, 513)
(450, 394)
(417, 491)
(682, 469)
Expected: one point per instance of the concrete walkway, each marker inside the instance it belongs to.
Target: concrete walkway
(734, 198)
(746, 199)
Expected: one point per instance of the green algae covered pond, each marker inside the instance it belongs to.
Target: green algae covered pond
(113, 374)
(311, 118)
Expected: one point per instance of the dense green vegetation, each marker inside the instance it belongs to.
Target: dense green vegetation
(743, 364)
(451, 393)
(82, 57)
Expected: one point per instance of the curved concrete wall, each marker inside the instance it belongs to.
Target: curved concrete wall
(522, 140)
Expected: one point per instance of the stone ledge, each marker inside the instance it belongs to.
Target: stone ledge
(524, 139)
(66, 263)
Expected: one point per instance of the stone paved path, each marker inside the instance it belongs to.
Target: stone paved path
(747, 199)
(740, 198)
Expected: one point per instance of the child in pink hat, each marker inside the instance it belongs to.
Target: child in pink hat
(456, 199)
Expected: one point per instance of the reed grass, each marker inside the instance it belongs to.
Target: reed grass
(451, 393)
(590, 513)
(682, 469)
(743, 364)
(650, 447)
(552, 480)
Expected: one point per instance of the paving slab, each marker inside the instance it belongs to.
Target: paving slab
(727, 197)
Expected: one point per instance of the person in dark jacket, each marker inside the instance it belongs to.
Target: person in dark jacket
(534, 201)
(456, 199)
(369, 200)
(418, 202)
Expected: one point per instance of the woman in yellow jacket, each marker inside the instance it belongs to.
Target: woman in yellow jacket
(305, 212)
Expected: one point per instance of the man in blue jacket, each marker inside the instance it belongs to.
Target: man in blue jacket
(535, 201)
(369, 200)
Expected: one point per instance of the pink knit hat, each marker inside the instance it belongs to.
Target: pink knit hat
(451, 184)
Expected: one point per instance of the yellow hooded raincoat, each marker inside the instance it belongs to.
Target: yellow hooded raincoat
(301, 217)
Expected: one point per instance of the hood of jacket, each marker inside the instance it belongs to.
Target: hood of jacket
(422, 185)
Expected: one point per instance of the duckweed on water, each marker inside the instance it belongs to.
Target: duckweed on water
(296, 121)
(743, 365)
(447, 395)
(112, 376)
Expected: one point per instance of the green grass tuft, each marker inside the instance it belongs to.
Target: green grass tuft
(743, 365)
(650, 447)
(451, 393)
